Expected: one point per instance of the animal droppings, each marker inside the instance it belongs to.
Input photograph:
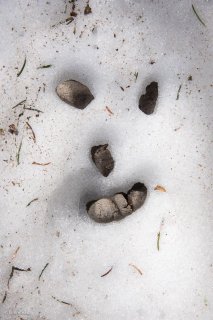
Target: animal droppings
(74, 93)
(118, 206)
(102, 158)
(148, 100)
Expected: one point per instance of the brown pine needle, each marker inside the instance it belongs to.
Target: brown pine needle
(41, 164)
(201, 21)
(136, 268)
(61, 301)
(20, 103)
(15, 253)
(33, 133)
(109, 110)
(31, 202)
(106, 273)
(18, 154)
(46, 265)
(178, 93)
(158, 241)
(12, 272)
(22, 68)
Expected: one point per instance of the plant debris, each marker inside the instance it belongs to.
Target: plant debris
(18, 153)
(33, 133)
(46, 265)
(20, 103)
(193, 8)
(36, 199)
(87, 9)
(119, 206)
(102, 158)
(61, 301)
(109, 110)
(41, 164)
(33, 109)
(12, 129)
(1, 132)
(15, 253)
(12, 272)
(45, 66)
(178, 93)
(158, 241)
(74, 93)
(190, 78)
(147, 101)
(159, 235)
(136, 76)
(160, 188)
(22, 68)
(106, 273)
(5, 297)
(136, 268)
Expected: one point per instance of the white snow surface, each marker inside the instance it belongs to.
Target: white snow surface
(172, 147)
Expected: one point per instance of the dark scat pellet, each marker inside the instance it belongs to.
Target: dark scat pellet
(148, 100)
(137, 195)
(102, 158)
(74, 93)
(119, 206)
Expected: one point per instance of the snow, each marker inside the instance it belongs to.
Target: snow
(171, 148)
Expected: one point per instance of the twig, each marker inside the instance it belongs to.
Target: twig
(105, 274)
(18, 154)
(31, 202)
(193, 8)
(46, 265)
(136, 268)
(12, 272)
(178, 93)
(20, 103)
(33, 133)
(20, 72)
(41, 164)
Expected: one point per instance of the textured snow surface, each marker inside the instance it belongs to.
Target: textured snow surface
(106, 50)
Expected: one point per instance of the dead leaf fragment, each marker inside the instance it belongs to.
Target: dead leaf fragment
(160, 188)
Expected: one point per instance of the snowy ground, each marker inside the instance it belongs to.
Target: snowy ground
(172, 147)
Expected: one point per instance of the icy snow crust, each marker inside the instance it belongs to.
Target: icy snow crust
(172, 147)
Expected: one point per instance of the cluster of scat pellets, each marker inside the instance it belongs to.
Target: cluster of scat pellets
(119, 205)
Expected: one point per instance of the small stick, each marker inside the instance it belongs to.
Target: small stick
(105, 274)
(33, 133)
(136, 268)
(20, 72)
(193, 8)
(31, 202)
(46, 265)
(20, 103)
